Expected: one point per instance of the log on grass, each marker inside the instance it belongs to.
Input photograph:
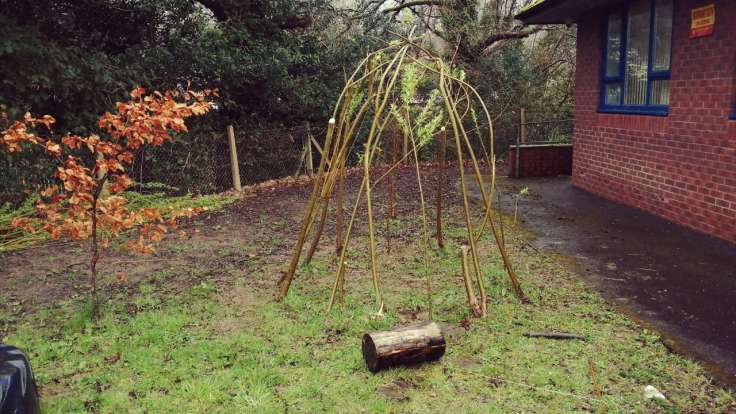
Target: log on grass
(406, 345)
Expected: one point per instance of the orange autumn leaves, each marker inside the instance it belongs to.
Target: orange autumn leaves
(91, 171)
(18, 133)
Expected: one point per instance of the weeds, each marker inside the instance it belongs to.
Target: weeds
(219, 343)
(12, 239)
(173, 353)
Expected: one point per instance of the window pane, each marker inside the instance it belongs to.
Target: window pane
(660, 92)
(637, 53)
(613, 94)
(613, 54)
(662, 35)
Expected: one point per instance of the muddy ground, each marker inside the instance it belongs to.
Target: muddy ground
(669, 278)
(254, 233)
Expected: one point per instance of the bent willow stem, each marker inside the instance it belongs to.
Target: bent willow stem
(381, 95)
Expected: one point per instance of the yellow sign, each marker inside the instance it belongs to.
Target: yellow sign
(703, 21)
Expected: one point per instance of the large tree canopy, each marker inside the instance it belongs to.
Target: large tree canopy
(276, 63)
(72, 58)
(511, 64)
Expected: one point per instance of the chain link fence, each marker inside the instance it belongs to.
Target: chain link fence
(201, 163)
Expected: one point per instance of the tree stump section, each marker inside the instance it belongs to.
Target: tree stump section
(406, 345)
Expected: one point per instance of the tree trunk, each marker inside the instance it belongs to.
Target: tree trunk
(94, 257)
(403, 346)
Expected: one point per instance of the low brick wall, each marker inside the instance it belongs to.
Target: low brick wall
(542, 160)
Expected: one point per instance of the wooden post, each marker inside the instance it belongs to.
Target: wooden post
(410, 344)
(520, 131)
(440, 184)
(522, 125)
(301, 162)
(308, 147)
(234, 158)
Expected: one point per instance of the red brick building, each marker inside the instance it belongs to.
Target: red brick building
(655, 120)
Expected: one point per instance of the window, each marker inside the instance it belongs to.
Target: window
(636, 69)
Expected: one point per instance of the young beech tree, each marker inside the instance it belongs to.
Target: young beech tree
(87, 200)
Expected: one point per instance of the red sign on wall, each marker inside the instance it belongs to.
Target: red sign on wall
(703, 21)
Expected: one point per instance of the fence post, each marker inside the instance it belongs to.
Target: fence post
(308, 147)
(302, 159)
(520, 137)
(522, 124)
(234, 158)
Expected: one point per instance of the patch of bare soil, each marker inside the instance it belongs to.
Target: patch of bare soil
(254, 234)
(469, 363)
(397, 389)
(220, 247)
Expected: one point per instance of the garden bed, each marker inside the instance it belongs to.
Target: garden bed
(194, 327)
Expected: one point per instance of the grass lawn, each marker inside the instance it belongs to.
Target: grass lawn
(221, 344)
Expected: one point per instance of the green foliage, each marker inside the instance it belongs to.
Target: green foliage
(490, 50)
(137, 201)
(8, 212)
(411, 79)
(355, 103)
(276, 63)
(209, 349)
(430, 118)
(422, 102)
(14, 239)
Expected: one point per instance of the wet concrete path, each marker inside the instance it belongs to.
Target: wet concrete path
(678, 281)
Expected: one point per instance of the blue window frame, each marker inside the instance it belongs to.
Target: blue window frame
(635, 76)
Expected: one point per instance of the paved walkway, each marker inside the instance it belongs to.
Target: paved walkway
(675, 280)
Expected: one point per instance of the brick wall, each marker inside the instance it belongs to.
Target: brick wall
(541, 160)
(681, 167)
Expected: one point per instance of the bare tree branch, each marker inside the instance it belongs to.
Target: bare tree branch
(494, 42)
(413, 3)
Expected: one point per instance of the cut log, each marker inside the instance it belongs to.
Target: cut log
(406, 345)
